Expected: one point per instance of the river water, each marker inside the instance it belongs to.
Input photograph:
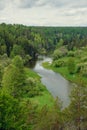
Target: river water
(54, 82)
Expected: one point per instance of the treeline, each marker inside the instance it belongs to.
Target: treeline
(31, 41)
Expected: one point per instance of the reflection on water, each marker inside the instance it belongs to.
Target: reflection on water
(55, 83)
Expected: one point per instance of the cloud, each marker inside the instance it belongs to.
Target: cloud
(27, 3)
(2, 4)
(52, 3)
(39, 3)
(74, 12)
(44, 12)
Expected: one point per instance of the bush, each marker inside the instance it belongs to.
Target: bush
(78, 53)
(84, 59)
(83, 69)
(71, 53)
(58, 63)
(58, 53)
(33, 87)
(79, 67)
(71, 66)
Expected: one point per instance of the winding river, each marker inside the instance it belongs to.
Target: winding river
(55, 83)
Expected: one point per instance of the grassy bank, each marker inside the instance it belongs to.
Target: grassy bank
(31, 73)
(63, 71)
(45, 98)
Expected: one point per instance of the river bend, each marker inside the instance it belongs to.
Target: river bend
(55, 83)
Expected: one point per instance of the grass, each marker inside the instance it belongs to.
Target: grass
(64, 72)
(31, 73)
(45, 98)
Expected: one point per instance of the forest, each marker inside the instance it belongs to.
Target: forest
(25, 103)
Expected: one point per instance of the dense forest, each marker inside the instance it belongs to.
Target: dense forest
(22, 40)
(20, 86)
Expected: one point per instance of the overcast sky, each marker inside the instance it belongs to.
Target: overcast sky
(44, 12)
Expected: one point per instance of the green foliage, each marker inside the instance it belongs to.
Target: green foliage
(58, 63)
(58, 53)
(22, 40)
(18, 62)
(33, 87)
(8, 113)
(60, 43)
(49, 118)
(79, 67)
(15, 114)
(20, 83)
(1, 74)
(71, 66)
(84, 59)
(2, 49)
(62, 70)
(27, 58)
(29, 73)
(71, 53)
(74, 116)
(14, 77)
(77, 108)
(17, 50)
(42, 51)
(4, 60)
(48, 99)
(84, 70)
(24, 115)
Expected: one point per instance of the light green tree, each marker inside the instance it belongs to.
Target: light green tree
(1, 73)
(60, 43)
(14, 77)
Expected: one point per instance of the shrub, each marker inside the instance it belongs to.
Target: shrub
(79, 67)
(78, 53)
(71, 53)
(33, 87)
(58, 63)
(83, 69)
(84, 59)
(26, 59)
(71, 66)
(58, 53)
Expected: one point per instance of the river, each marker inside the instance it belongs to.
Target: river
(55, 83)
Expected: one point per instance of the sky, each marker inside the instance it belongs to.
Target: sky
(44, 12)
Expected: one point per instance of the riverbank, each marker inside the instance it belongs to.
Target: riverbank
(56, 84)
(63, 71)
(43, 99)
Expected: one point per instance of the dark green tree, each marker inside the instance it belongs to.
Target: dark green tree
(17, 50)
(8, 111)
(50, 118)
(71, 66)
(77, 117)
